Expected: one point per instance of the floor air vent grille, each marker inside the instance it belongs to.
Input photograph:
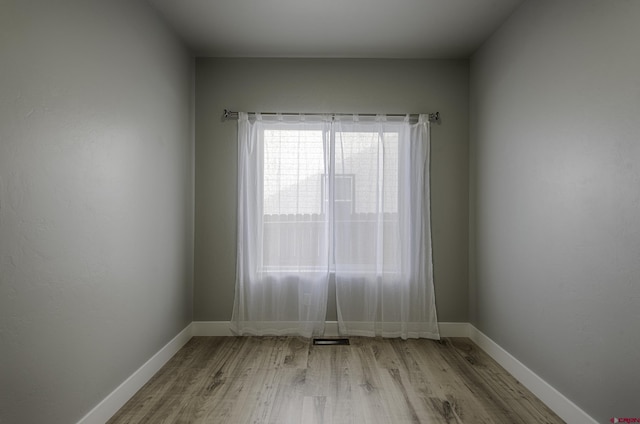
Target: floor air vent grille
(330, 342)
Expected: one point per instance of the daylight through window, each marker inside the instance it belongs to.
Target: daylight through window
(311, 182)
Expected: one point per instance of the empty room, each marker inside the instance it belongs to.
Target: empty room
(319, 212)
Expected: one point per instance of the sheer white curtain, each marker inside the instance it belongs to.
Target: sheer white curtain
(282, 270)
(343, 195)
(383, 266)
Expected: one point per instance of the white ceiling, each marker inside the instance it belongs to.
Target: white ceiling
(335, 28)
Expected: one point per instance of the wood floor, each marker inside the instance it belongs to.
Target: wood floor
(289, 380)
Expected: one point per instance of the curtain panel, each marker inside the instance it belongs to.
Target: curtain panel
(334, 195)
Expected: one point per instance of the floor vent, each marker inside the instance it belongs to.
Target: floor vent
(331, 342)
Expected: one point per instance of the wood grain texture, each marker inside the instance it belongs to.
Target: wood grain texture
(373, 380)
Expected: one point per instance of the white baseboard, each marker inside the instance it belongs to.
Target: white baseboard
(221, 328)
(331, 329)
(117, 398)
(555, 400)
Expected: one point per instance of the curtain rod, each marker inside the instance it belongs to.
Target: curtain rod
(228, 114)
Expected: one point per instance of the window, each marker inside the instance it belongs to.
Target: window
(313, 183)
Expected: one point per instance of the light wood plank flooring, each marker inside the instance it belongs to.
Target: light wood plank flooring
(373, 380)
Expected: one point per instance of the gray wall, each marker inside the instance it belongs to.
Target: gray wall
(96, 201)
(319, 85)
(555, 172)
